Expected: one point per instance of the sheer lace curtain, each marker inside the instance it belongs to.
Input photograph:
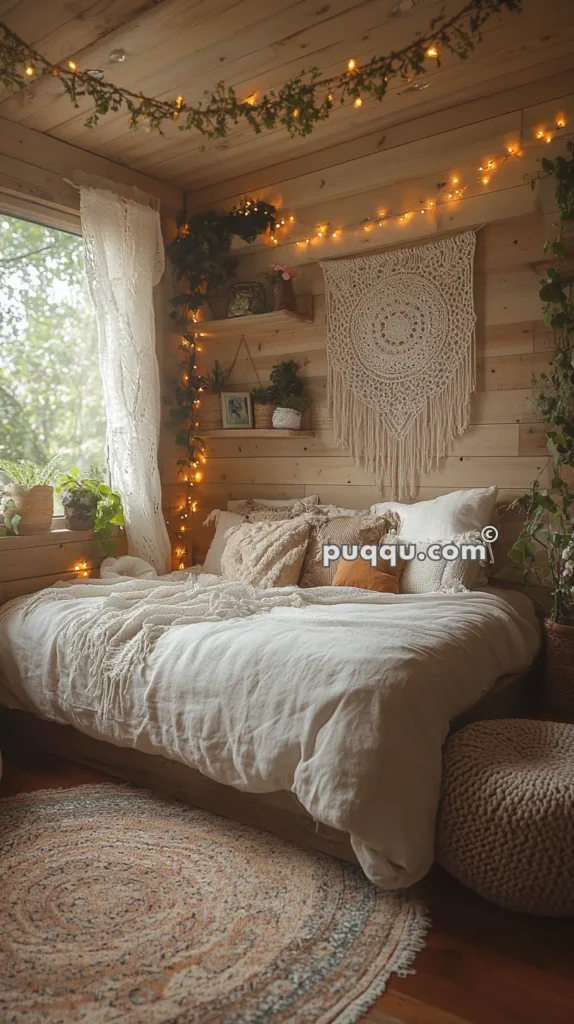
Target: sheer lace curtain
(124, 261)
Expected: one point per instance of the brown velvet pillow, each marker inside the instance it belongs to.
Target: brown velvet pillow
(382, 577)
(363, 528)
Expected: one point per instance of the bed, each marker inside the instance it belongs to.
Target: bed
(325, 710)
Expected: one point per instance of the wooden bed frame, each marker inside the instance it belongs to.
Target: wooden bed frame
(279, 812)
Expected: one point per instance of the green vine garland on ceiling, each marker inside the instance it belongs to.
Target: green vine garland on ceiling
(298, 105)
(202, 263)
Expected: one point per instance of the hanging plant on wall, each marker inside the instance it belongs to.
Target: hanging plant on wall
(544, 553)
(200, 253)
(202, 262)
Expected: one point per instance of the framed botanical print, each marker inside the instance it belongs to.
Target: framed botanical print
(236, 410)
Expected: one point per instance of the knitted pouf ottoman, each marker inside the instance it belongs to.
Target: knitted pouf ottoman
(506, 818)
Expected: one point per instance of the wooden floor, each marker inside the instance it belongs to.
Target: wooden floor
(481, 965)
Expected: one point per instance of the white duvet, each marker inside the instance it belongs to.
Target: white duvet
(342, 696)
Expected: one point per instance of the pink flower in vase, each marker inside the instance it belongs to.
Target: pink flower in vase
(284, 271)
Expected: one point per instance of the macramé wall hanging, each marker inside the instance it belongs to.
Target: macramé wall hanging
(400, 352)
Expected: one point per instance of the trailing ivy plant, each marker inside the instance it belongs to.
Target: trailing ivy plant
(202, 262)
(297, 105)
(544, 553)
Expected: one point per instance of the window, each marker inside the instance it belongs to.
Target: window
(51, 398)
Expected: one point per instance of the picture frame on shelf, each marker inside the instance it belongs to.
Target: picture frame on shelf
(236, 410)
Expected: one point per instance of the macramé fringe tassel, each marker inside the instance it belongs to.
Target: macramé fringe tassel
(396, 461)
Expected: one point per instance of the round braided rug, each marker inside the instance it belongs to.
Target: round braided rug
(122, 905)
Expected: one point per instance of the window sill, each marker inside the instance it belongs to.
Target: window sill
(56, 537)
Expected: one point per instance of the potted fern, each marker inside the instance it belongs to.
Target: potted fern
(286, 391)
(543, 555)
(263, 407)
(28, 502)
(211, 386)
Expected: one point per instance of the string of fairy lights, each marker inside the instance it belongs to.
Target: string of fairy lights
(452, 191)
(447, 193)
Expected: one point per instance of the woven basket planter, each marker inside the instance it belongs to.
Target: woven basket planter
(559, 666)
(210, 416)
(263, 416)
(35, 505)
(286, 419)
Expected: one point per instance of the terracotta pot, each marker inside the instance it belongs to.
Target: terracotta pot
(286, 419)
(262, 416)
(210, 416)
(284, 295)
(559, 666)
(35, 505)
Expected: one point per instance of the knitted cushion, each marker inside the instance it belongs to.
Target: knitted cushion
(506, 817)
(266, 554)
(359, 529)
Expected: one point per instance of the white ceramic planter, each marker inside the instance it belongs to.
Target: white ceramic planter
(286, 419)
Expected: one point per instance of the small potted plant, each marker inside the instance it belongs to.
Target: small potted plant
(281, 278)
(286, 391)
(213, 384)
(91, 504)
(263, 407)
(28, 502)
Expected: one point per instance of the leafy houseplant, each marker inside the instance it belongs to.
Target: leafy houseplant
(286, 390)
(544, 553)
(212, 385)
(28, 502)
(263, 406)
(283, 292)
(89, 503)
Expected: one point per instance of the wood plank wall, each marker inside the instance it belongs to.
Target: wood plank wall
(505, 444)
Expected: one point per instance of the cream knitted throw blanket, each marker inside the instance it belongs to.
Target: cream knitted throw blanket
(400, 351)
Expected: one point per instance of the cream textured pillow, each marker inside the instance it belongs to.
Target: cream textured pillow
(223, 520)
(268, 554)
(359, 529)
(425, 576)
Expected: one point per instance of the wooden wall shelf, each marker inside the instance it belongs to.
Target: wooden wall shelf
(281, 318)
(254, 432)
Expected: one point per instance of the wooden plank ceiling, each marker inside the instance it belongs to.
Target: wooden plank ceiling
(186, 46)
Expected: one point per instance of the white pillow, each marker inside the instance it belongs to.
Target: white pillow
(425, 576)
(446, 516)
(273, 502)
(224, 521)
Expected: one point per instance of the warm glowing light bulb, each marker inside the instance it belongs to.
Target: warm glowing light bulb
(181, 565)
(198, 477)
(485, 180)
(455, 180)
(358, 102)
(540, 133)
(548, 138)
(291, 220)
(29, 70)
(77, 568)
(431, 205)
(561, 122)
(431, 51)
(352, 64)
(72, 65)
